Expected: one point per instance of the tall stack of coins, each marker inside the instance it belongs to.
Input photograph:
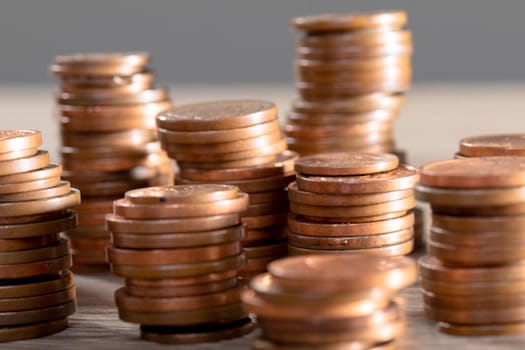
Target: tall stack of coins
(179, 249)
(239, 143)
(473, 278)
(326, 301)
(37, 293)
(107, 104)
(352, 71)
(492, 145)
(352, 202)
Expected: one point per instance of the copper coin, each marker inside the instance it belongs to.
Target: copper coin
(143, 79)
(60, 248)
(108, 188)
(37, 302)
(356, 143)
(40, 206)
(279, 248)
(254, 237)
(14, 166)
(126, 138)
(217, 115)
(93, 63)
(15, 140)
(39, 228)
(493, 145)
(108, 98)
(222, 313)
(89, 244)
(146, 82)
(348, 53)
(313, 133)
(62, 189)
(182, 281)
(301, 226)
(470, 197)
(175, 304)
(264, 221)
(26, 219)
(330, 271)
(121, 115)
(95, 153)
(177, 240)
(482, 330)
(120, 224)
(432, 268)
(474, 288)
(88, 232)
(237, 163)
(127, 209)
(356, 38)
(320, 199)
(353, 211)
(346, 163)
(35, 330)
(39, 268)
(325, 91)
(272, 183)
(37, 286)
(23, 153)
(121, 256)
(178, 270)
(89, 207)
(110, 163)
(496, 210)
(354, 219)
(265, 344)
(402, 248)
(182, 194)
(256, 265)
(218, 136)
(356, 104)
(482, 316)
(10, 245)
(35, 185)
(401, 178)
(197, 334)
(12, 318)
(343, 22)
(283, 164)
(476, 239)
(267, 209)
(479, 223)
(355, 242)
(341, 119)
(473, 302)
(182, 291)
(278, 196)
(486, 172)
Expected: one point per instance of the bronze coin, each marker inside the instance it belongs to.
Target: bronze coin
(482, 330)
(330, 271)
(182, 291)
(265, 344)
(13, 318)
(217, 115)
(254, 237)
(473, 302)
(356, 38)
(356, 143)
(62, 189)
(182, 281)
(99, 63)
(402, 248)
(470, 197)
(25, 219)
(109, 98)
(354, 219)
(346, 163)
(118, 224)
(257, 265)
(354, 242)
(40, 206)
(94, 153)
(108, 188)
(493, 145)
(272, 183)
(302, 226)
(264, 221)
(401, 178)
(511, 287)
(266, 209)
(38, 268)
(279, 248)
(110, 163)
(197, 334)
(140, 81)
(23, 153)
(10, 245)
(91, 207)
(50, 171)
(39, 228)
(476, 239)
(230, 164)
(177, 240)
(36, 185)
(59, 249)
(353, 52)
(324, 91)
(486, 172)
(313, 133)
(474, 317)
(479, 223)
(222, 313)
(15, 166)
(283, 164)
(321, 199)
(356, 104)
(178, 270)
(35, 330)
(15, 140)
(496, 210)
(126, 138)
(201, 193)
(346, 22)
(88, 232)
(218, 136)
(37, 286)
(90, 244)
(37, 302)
(278, 196)
(342, 119)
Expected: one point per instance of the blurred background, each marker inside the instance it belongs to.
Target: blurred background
(240, 41)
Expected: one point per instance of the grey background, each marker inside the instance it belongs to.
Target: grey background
(250, 41)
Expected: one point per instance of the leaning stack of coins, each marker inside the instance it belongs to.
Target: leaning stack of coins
(179, 249)
(492, 145)
(330, 302)
(473, 279)
(352, 71)
(37, 293)
(107, 104)
(237, 143)
(352, 202)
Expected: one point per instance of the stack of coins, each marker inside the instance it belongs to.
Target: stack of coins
(179, 249)
(237, 143)
(352, 71)
(473, 278)
(492, 145)
(330, 302)
(352, 202)
(37, 293)
(107, 104)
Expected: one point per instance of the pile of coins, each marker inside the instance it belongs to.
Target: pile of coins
(352, 202)
(37, 293)
(473, 279)
(179, 249)
(330, 302)
(239, 143)
(107, 104)
(492, 145)
(352, 71)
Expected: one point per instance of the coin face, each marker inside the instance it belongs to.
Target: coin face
(182, 194)
(346, 163)
(493, 145)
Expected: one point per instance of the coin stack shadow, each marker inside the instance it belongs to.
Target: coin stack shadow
(107, 104)
(318, 302)
(351, 202)
(473, 276)
(179, 249)
(237, 142)
(37, 293)
(352, 71)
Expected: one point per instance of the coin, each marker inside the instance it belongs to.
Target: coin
(40, 206)
(14, 166)
(317, 119)
(119, 83)
(182, 291)
(10, 245)
(339, 22)
(313, 132)
(475, 317)
(343, 53)
(39, 268)
(482, 330)
(476, 239)
(263, 221)
(493, 145)
(39, 228)
(35, 330)
(401, 248)
(470, 197)
(13, 318)
(59, 249)
(355, 104)
(37, 302)
(159, 284)
(478, 223)
(473, 302)
(37, 286)
(255, 236)
(264, 344)
(510, 288)
(108, 98)
(35, 185)
(278, 248)
(126, 138)
(355, 38)
(96, 62)
(15, 140)
(201, 193)
(62, 189)
(269, 183)
(346, 163)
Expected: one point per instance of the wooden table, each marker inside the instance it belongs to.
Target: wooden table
(435, 118)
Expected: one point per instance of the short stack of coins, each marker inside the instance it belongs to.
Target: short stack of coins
(239, 143)
(474, 274)
(107, 104)
(37, 293)
(351, 202)
(352, 71)
(330, 302)
(179, 249)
